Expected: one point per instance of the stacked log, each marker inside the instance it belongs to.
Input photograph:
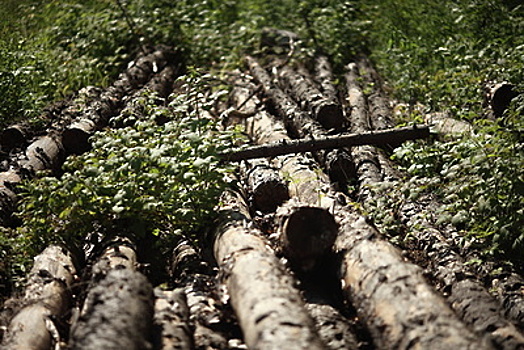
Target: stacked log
(46, 300)
(445, 264)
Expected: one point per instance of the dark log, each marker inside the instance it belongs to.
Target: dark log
(306, 234)
(265, 187)
(8, 197)
(324, 76)
(327, 112)
(117, 314)
(46, 299)
(46, 153)
(270, 310)
(172, 321)
(498, 97)
(380, 111)
(13, 136)
(300, 123)
(377, 138)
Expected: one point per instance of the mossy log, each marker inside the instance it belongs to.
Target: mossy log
(270, 310)
(328, 112)
(171, 321)
(119, 307)
(46, 301)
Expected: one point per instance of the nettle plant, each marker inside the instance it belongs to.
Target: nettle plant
(142, 180)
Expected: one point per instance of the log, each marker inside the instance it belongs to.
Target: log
(498, 97)
(117, 314)
(327, 112)
(13, 136)
(265, 187)
(306, 234)
(300, 123)
(324, 77)
(118, 310)
(376, 138)
(98, 113)
(46, 153)
(171, 321)
(8, 197)
(446, 266)
(380, 112)
(270, 310)
(447, 126)
(278, 40)
(46, 299)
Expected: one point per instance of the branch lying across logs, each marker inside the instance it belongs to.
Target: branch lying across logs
(47, 298)
(376, 138)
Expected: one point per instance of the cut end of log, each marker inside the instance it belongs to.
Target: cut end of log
(76, 141)
(331, 117)
(12, 137)
(307, 234)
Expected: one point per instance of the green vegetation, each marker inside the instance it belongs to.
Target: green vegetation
(152, 179)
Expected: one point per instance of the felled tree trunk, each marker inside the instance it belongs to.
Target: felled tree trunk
(46, 153)
(172, 321)
(270, 310)
(324, 76)
(447, 126)
(265, 187)
(75, 137)
(327, 112)
(118, 310)
(446, 266)
(8, 198)
(306, 234)
(498, 97)
(340, 168)
(46, 300)
(13, 136)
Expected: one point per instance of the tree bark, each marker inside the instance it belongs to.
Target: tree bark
(301, 124)
(8, 198)
(46, 153)
(265, 187)
(118, 310)
(327, 112)
(446, 126)
(324, 76)
(270, 310)
(46, 299)
(173, 330)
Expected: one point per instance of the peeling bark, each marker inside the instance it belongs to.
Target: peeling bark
(270, 310)
(46, 299)
(172, 321)
(327, 112)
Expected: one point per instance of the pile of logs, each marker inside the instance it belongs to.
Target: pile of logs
(292, 263)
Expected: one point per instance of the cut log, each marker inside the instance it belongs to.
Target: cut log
(173, 330)
(306, 234)
(117, 314)
(46, 153)
(376, 138)
(324, 76)
(498, 97)
(447, 126)
(98, 113)
(446, 266)
(327, 112)
(300, 123)
(46, 300)
(278, 40)
(8, 198)
(380, 112)
(270, 310)
(13, 136)
(118, 310)
(265, 187)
